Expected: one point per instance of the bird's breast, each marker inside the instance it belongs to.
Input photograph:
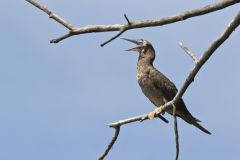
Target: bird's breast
(150, 90)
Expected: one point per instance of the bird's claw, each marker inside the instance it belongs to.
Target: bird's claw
(151, 115)
(156, 112)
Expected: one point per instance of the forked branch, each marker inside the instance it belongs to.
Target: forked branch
(130, 25)
(192, 55)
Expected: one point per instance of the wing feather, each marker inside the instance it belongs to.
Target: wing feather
(164, 84)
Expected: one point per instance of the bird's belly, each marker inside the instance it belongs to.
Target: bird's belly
(152, 92)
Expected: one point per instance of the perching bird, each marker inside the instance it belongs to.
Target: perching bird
(156, 86)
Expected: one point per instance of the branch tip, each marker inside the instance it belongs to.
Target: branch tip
(114, 37)
(112, 142)
(188, 52)
(129, 23)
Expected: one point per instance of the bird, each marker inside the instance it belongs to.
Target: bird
(156, 86)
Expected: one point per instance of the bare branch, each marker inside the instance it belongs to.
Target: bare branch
(217, 43)
(52, 15)
(110, 145)
(176, 132)
(129, 23)
(192, 55)
(123, 29)
(134, 24)
(129, 120)
(61, 38)
(114, 37)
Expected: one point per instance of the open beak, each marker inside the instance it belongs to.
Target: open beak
(139, 43)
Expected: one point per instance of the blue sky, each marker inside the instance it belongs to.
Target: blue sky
(57, 99)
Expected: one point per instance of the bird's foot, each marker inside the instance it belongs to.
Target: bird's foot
(156, 112)
(151, 115)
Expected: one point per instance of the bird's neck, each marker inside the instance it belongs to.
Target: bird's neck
(143, 68)
(144, 62)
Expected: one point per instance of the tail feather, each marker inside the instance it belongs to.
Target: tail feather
(197, 120)
(201, 127)
(194, 121)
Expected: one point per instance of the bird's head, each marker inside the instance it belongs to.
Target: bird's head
(144, 48)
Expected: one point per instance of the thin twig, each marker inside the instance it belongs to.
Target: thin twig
(61, 38)
(191, 54)
(134, 24)
(176, 131)
(52, 15)
(120, 32)
(110, 145)
(129, 23)
(114, 37)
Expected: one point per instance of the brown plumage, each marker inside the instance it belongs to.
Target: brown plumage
(157, 87)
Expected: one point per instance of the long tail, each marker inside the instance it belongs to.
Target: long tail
(196, 124)
(194, 121)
